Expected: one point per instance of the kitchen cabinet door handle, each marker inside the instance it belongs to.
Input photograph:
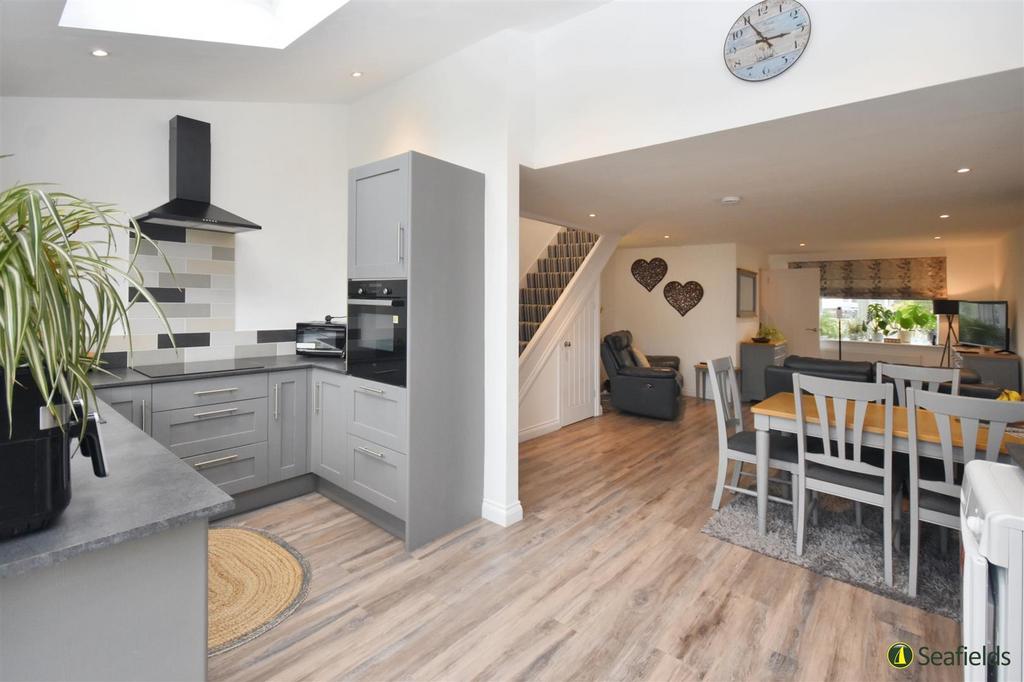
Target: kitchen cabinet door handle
(401, 243)
(214, 413)
(215, 391)
(379, 455)
(378, 391)
(276, 405)
(211, 462)
(143, 415)
(316, 398)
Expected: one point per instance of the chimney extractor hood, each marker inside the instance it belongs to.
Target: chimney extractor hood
(190, 184)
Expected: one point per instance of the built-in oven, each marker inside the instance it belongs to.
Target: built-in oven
(377, 320)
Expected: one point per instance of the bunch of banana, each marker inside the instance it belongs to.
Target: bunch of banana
(1008, 394)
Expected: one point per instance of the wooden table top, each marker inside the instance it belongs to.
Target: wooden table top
(782, 405)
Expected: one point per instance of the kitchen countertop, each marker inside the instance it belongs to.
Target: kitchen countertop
(271, 363)
(148, 490)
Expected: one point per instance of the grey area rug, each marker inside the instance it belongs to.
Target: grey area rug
(838, 549)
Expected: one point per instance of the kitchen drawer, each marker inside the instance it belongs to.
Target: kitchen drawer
(378, 413)
(197, 430)
(198, 392)
(379, 475)
(234, 470)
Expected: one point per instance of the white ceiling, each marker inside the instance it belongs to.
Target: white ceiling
(875, 174)
(384, 39)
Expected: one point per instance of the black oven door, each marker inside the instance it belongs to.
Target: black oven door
(376, 340)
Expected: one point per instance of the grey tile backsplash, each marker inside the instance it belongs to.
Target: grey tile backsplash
(198, 300)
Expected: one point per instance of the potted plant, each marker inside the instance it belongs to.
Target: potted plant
(911, 317)
(767, 333)
(60, 279)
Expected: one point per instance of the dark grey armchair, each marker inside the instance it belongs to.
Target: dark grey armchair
(649, 391)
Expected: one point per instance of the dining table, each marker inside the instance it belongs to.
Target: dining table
(778, 413)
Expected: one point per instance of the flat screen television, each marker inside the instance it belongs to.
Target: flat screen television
(985, 323)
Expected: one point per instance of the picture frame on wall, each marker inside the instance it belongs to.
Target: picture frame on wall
(746, 293)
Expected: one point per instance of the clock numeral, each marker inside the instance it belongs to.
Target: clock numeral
(732, 50)
(746, 20)
(736, 35)
(795, 14)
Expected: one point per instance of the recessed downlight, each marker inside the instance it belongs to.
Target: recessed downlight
(592, 215)
(667, 236)
(965, 169)
(944, 216)
(936, 237)
(100, 53)
(730, 200)
(357, 74)
(803, 244)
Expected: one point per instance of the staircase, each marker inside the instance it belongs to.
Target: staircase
(543, 286)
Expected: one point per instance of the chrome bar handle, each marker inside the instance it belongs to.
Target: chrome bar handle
(378, 391)
(401, 243)
(379, 455)
(316, 398)
(211, 462)
(143, 415)
(215, 391)
(213, 413)
(276, 405)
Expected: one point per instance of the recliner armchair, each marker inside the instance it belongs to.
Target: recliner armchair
(649, 391)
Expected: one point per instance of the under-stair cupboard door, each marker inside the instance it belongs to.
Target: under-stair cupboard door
(379, 220)
(577, 366)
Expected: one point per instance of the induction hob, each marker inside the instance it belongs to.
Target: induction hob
(176, 369)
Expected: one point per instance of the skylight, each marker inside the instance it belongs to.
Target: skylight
(258, 23)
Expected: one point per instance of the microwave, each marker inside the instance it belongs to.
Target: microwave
(320, 338)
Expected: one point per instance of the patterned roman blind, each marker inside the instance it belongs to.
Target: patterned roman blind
(913, 278)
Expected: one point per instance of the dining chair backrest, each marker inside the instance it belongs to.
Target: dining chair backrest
(958, 421)
(918, 378)
(847, 434)
(726, 392)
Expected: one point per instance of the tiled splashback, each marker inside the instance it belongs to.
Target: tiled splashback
(198, 300)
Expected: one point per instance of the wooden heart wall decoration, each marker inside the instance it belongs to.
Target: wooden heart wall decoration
(683, 297)
(649, 273)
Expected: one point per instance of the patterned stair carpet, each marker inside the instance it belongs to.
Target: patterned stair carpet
(838, 549)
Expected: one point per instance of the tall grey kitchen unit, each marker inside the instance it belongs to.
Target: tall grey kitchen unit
(418, 452)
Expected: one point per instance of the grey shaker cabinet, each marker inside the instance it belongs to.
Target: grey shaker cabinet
(191, 431)
(379, 475)
(327, 427)
(378, 413)
(288, 432)
(379, 220)
(134, 403)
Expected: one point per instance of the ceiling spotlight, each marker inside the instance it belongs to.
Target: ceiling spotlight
(666, 236)
(944, 216)
(593, 215)
(357, 74)
(803, 244)
(965, 169)
(936, 237)
(100, 53)
(730, 200)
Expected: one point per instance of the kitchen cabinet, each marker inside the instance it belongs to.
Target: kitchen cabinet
(379, 413)
(190, 431)
(379, 220)
(134, 403)
(327, 425)
(288, 434)
(379, 475)
(235, 470)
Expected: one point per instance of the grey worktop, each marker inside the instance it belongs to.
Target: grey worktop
(271, 363)
(148, 489)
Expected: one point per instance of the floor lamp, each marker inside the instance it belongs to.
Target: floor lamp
(944, 306)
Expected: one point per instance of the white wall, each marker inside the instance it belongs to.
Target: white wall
(534, 237)
(280, 165)
(630, 74)
(469, 109)
(708, 330)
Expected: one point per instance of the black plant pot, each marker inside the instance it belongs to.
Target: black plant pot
(35, 477)
(35, 459)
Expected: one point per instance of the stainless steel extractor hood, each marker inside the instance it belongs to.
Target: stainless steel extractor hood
(190, 184)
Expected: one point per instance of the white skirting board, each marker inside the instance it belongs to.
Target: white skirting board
(501, 514)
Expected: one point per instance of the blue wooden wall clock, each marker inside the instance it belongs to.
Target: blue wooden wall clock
(767, 39)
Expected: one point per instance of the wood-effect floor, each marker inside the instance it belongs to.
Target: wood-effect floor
(608, 577)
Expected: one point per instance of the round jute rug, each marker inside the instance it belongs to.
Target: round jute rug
(255, 580)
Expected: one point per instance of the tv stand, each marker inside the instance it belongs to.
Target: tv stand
(998, 367)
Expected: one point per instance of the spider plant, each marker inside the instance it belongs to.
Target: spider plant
(60, 279)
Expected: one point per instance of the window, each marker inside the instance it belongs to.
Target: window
(873, 319)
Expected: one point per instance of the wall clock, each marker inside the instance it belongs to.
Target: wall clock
(767, 39)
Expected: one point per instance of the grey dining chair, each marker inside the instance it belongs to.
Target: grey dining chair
(938, 501)
(918, 378)
(739, 446)
(839, 469)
